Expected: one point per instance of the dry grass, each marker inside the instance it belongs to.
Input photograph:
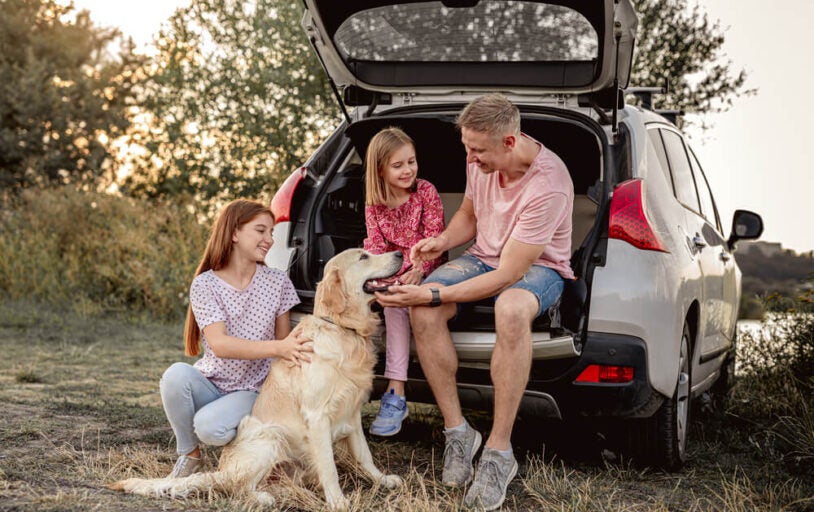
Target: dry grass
(81, 409)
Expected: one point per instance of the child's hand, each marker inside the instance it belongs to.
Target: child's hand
(295, 349)
(413, 276)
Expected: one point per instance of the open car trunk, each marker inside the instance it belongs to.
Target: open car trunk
(339, 221)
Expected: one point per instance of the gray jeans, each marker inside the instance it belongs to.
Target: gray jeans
(198, 412)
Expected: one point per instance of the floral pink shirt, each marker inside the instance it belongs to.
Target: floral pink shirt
(398, 229)
(250, 313)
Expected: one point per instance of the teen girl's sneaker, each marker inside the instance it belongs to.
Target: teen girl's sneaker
(185, 466)
(391, 413)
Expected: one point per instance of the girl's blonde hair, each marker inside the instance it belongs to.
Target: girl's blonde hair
(381, 148)
(217, 254)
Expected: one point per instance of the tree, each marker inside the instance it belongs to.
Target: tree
(679, 45)
(63, 98)
(235, 101)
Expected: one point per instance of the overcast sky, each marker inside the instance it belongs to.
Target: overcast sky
(754, 153)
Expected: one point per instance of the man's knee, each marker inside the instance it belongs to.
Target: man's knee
(515, 311)
(424, 318)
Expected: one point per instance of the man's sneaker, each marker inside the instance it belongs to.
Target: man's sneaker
(491, 480)
(391, 413)
(459, 450)
(185, 466)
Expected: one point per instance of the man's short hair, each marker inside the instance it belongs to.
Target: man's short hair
(493, 114)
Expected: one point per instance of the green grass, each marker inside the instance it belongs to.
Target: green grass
(81, 409)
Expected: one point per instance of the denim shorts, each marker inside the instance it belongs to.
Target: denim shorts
(543, 282)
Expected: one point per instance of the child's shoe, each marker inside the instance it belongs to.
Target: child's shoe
(391, 413)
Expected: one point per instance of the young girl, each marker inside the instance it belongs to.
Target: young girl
(239, 312)
(400, 210)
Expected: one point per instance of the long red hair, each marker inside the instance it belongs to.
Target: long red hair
(218, 253)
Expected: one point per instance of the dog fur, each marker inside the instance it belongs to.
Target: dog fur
(302, 411)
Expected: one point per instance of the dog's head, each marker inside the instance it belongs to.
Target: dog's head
(343, 296)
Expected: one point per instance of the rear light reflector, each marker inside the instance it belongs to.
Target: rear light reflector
(628, 221)
(281, 202)
(606, 374)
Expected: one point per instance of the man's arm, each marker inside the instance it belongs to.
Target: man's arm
(462, 226)
(515, 261)
(461, 229)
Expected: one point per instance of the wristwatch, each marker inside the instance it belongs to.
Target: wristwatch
(436, 298)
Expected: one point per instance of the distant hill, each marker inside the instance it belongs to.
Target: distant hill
(768, 268)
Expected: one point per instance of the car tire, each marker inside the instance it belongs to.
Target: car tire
(661, 440)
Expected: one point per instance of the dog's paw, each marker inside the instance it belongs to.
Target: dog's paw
(338, 503)
(262, 498)
(392, 481)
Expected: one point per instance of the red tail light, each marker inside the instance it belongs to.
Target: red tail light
(281, 202)
(606, 374)
(628, 221)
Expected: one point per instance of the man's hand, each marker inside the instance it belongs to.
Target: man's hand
(402, 296)
(428, 249)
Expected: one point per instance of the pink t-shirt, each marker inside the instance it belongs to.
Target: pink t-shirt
(250, 314)
(535, 210)
(398, 229)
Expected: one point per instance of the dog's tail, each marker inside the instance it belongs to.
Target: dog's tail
(245, 461)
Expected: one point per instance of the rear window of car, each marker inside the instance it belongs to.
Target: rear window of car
(490, 31)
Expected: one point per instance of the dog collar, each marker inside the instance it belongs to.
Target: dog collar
(326, 319)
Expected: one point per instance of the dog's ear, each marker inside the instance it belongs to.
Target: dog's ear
(333, 293)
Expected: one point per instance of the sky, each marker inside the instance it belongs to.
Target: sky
(754, 155)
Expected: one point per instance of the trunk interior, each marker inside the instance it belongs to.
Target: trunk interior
(340, 224)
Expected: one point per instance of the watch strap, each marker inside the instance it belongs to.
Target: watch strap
(436, 298)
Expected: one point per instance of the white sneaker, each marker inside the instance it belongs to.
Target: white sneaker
(185, 466)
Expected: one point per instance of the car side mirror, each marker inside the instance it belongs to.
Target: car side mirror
(746, 225)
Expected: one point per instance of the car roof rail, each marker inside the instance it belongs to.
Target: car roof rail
(645, 94)
(669, 114)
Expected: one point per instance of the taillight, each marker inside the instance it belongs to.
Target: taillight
(606, 374)
(628, 221)
(281, 202)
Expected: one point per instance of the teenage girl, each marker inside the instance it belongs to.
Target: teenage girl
(239, 313)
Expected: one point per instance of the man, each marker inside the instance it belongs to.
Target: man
(517, 206)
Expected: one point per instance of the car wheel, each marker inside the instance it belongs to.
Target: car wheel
(661, 440)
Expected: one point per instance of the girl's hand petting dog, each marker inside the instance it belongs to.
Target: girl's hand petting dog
(295, 349)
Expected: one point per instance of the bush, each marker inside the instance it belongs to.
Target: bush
(774, 389)
(96, 252)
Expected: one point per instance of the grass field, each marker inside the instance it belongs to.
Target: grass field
(81, 409)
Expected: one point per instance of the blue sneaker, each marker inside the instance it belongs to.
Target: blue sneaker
(391, 414)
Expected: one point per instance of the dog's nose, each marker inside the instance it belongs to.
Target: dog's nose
(399, 255)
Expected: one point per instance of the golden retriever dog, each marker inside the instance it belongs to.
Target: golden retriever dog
(302, 411)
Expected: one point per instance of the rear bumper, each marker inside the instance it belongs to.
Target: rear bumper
(552, 391)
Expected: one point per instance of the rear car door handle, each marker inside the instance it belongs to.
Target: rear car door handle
(725, 256)
(698, 242)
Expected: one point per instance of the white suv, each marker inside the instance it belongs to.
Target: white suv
(650, 323)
